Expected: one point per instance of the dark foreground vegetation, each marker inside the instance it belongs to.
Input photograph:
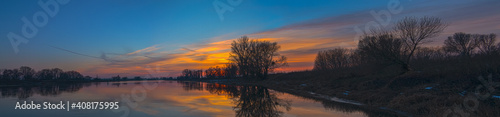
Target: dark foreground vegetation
(256, 101)
(433, 89)
(391, 68)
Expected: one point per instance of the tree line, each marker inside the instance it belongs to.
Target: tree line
(402, 45)
(227, 71)
(118, 78)
(248, 58)
(25, 73)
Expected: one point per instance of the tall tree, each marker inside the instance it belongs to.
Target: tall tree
(416, 31)
(256, 58)
(486, 43)
(240, 54)
(460, 43)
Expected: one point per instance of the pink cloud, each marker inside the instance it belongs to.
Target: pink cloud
(301, 41)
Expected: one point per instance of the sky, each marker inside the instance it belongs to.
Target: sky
(163, 37)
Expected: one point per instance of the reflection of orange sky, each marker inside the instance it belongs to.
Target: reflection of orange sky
(171, 99)
(166, 97)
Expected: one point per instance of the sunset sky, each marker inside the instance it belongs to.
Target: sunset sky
(127, 37)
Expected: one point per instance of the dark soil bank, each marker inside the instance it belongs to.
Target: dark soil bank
(442, 92)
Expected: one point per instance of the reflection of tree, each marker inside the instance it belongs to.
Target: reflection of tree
(250, 101)
(258, 102)
(23, 92)
(191, 85)
(219, 89)
(116, 84)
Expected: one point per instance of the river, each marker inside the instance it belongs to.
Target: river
(172, 98)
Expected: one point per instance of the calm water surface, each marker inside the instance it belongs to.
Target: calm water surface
(171, 98)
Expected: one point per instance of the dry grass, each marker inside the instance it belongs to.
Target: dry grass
(387, 87)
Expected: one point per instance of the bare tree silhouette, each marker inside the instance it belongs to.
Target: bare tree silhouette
(383, 46)
(416, 31)
(256, 58)
(486, 43)
(460, 43)
(337, 58)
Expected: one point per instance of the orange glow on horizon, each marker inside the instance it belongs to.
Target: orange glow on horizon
(217, 54)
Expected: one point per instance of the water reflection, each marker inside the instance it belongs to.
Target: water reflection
(249, 101)
(24, 92)
(187, 99)
(255, 101)
(252, 101)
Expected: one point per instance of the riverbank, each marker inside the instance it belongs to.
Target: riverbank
(437, 87)
(327, 100)
(417, 93)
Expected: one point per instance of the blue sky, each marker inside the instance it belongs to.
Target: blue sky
(109, 29)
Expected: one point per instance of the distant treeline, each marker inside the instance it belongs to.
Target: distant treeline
(402, 45)
(29, 74)
(227, 71)
(248, 58)
(25, 73)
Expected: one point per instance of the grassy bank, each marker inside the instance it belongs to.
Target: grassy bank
(434, 88)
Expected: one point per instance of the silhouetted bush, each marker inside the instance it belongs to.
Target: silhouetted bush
(338, 58)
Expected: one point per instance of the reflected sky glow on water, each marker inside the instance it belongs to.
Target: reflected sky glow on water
(171, 98)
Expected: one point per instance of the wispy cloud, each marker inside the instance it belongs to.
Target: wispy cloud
(145, 50)
(301, 41)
